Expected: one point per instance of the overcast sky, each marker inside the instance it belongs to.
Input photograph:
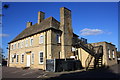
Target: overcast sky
(92, 20)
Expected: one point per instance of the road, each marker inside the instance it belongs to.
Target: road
(105, 73)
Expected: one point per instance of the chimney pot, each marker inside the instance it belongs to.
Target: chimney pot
(29, 24)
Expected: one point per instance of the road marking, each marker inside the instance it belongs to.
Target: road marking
(42, 75)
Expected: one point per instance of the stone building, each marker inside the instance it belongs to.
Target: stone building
(51, 39)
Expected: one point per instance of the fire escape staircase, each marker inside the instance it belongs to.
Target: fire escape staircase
(95, 52)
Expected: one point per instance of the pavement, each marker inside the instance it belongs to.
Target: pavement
(111, 73)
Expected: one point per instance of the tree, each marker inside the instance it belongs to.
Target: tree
(6, 6)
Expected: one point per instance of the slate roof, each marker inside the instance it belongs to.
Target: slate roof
(49, 23)
(46, 24)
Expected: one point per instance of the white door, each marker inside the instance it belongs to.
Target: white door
(28, 60)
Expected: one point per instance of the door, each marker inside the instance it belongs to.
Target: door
(28, 60)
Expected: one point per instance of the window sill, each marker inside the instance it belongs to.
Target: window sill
(40, 63)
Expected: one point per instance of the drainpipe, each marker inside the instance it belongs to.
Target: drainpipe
(8, 55)
(45, 50)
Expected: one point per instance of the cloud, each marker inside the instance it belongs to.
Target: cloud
(86, 32)
(4, 35)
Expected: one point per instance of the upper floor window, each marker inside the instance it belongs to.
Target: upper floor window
(113, 54)
(31, 42)
(18, 45)
(109, 56)
(41, 58)
(58, 38)
(41, 39)
(15, 46)
(27, 43)
(11, 47)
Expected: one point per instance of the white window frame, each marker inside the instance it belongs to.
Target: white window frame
(31, 43)
(18, 45)
(39, 57)
(41, 40)
(22, 58)
(58, 39)
(109, 55)
(12, 58)
(32, 58)
(26, 43)
(113, 54)
(17, 58)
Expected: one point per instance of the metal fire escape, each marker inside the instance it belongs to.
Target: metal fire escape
(95, 52)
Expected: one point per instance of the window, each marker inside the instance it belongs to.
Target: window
(113, 54)
(32, 58)
(58, 38)
(18, 45)
(17, 58)
(26, 43)
(11, 47)
(31, 42)
(22, 58)
(15, 46)
(109, 56)
(22, 44)
(41, 58)
(41, 39)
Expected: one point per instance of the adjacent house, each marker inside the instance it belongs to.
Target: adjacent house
(51, 39)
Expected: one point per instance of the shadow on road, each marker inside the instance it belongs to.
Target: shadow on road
(95, 74)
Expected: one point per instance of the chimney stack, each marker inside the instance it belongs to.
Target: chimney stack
(65, 18)
(29, 24)
(67, 32)
(41, 16)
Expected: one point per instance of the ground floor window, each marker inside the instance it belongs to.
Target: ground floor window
(32, 61)
(109, 56)
(17, 58)
(41, 57)
(113, 54)
(22, 58)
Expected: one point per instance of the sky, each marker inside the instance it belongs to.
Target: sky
(95, 21)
